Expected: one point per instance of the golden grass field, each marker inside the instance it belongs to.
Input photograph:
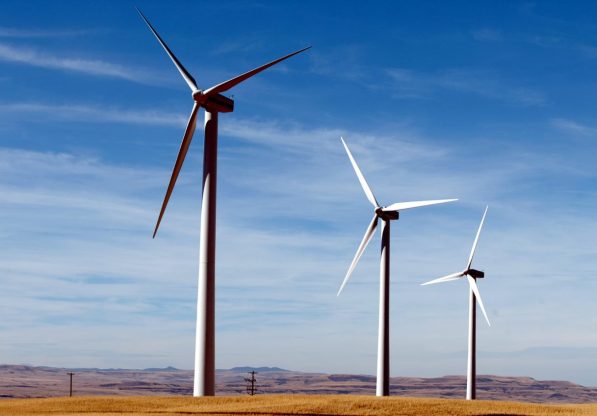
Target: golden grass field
(279, 405)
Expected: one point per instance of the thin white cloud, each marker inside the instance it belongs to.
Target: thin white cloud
(340, 61)
(87, 113)
(574, 127)
(95, 67)
(70, 218)
(291, 213)
(562, 44)
(487, 35)
(226, 47)
(413, 153)
(11, 32)
(409, 83)
(299, 139)
(294, 138)
(588, 51)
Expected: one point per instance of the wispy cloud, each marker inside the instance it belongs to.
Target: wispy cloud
(415, 84)
(28, 56)
(11, 32)
(573, 127)
(297, 138)
(291, 213)
(87, 113)
(563, 44)
(234, 46)
(84, 219)
(341, 61)
(292, 137)
(588, 51)
(546, 41)
(487, 35)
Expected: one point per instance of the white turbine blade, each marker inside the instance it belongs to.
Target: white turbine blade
(470, 258)
(364, 184)
(184, 147)
(226, 85)
(368, 236)
(400, 206)
(475, 290)
(185, 74)
(448, 278)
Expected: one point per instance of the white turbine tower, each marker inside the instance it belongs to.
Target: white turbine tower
(386, 214)
(471, 275)
(213, 102)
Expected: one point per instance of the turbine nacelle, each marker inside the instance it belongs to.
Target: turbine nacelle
(476, 274)
(215, 103)
(386, 215)
(218, 103)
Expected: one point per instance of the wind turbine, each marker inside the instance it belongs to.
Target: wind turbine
(385, 214)
(471, 275)
(213, 102)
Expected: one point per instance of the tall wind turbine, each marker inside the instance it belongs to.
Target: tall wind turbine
(471, 275)
(213, 102)
(385, 214)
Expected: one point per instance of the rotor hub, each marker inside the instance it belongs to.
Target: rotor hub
(198, 96)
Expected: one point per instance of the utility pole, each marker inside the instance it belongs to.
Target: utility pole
(71, 384)
(251, 389)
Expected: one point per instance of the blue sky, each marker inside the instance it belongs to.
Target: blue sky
(488, 102)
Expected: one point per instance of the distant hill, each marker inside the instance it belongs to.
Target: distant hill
(28, 381)
(169, 368)
(256, 369)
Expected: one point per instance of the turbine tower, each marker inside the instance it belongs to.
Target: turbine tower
(385, 214)
(471, 275)
(213, 102)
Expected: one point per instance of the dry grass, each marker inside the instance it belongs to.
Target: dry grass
(280, 405)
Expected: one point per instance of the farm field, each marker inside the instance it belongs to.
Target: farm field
(280, 405)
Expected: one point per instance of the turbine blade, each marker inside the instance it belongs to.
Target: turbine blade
(184, 147)
(364, 184)
(470, 258)
(226, 85)
(475, 290)
(368, 236)
(448, 278)
(400, 206)
(185, 74)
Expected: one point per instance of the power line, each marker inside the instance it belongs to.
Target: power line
(251, 387)
(71, 384)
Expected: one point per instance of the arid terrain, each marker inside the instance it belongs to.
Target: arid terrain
(18, 381)
(328, 405)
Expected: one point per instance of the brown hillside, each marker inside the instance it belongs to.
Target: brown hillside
(24, 381)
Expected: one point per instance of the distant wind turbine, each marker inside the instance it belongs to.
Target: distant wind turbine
(213, 102)
(471, 275)
(386, 214)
